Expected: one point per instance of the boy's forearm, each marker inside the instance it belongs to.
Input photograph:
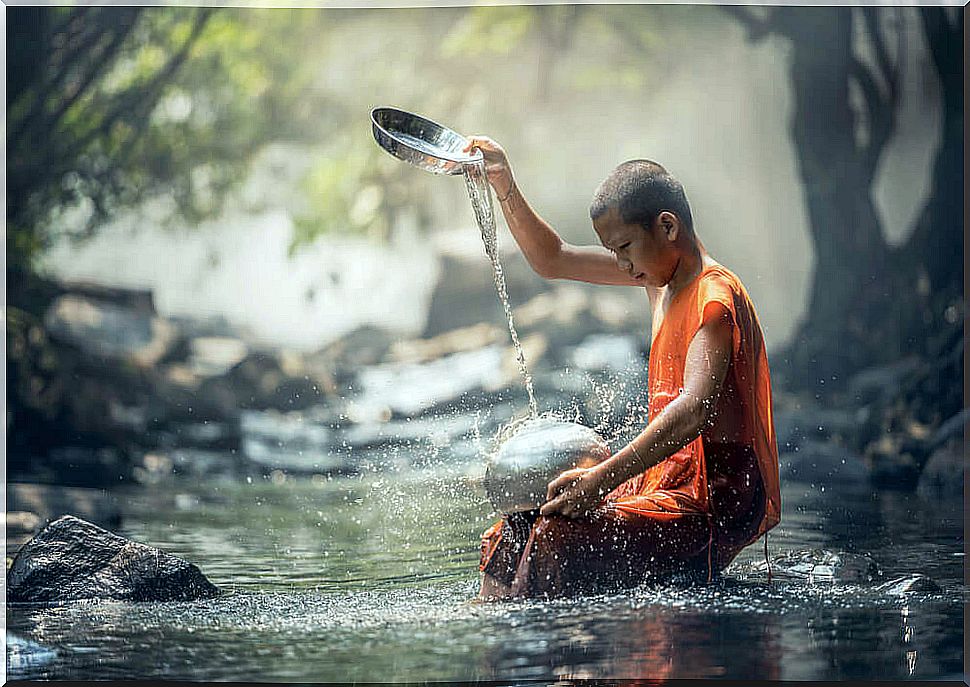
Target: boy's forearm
(683, 419)
(679, 424)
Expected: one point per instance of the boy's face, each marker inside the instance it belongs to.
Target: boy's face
(649, 256)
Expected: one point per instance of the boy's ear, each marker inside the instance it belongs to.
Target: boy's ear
(669, 224)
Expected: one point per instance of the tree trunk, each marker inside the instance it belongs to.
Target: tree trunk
(851, 279)
(932, 259)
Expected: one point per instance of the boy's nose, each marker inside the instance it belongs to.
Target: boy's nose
(623, 263)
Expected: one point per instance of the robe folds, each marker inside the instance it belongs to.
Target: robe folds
(692, 512)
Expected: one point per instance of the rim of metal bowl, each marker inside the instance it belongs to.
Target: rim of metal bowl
(443, 155)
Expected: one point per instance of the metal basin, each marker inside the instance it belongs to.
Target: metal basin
(518, 473)
(421, 142)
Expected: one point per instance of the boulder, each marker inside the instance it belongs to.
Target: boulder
(465, 293)
(104, 330)
(877, 383)
(358, 348)
(72, 559)
(264, 380)
(801, 423)
(211, 356)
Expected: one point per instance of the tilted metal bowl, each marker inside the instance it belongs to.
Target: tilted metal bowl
(421, 142)
(519, 472)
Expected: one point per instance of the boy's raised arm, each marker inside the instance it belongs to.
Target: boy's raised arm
(544, 249)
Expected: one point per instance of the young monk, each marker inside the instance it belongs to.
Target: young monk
(700, 482)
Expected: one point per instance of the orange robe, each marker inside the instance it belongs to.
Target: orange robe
(679, 483)
(672, 513)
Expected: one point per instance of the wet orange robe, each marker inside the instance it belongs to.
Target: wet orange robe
(678, 484)
(672, 500)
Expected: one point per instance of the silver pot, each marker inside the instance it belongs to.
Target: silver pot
(518, 473)
(421, 142)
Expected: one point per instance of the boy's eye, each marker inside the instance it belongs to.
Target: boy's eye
(624, 246)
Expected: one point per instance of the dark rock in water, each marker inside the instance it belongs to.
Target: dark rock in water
(72, 559)
(358, 348)
(952, 428)
(820, 565)
(876, 383)
(106, 330)
(264, 380)
(894, 462)
(794, 427)
(908, 584)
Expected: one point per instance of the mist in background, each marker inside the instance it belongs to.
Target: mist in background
(701, 100)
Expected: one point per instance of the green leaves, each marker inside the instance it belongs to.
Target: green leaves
(112, 106)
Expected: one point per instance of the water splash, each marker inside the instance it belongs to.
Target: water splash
(480, 195)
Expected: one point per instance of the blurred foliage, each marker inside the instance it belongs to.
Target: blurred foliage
(490, 30)
(353, 187)
(108, 106)
(344, 192)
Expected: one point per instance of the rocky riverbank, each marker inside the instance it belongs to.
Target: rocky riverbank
(102, 391)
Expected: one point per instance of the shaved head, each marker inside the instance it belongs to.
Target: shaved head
(640, 190)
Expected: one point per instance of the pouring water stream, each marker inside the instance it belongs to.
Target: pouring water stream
(480, 195)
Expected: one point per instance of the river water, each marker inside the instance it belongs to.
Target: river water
(371, 577)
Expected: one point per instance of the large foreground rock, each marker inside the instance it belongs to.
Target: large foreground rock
(72, 559)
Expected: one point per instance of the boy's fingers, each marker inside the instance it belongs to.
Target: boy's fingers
(552, 489)
(550, 507)
(557, 485)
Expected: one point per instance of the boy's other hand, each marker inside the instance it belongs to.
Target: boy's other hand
(497, 167)
(574, 494)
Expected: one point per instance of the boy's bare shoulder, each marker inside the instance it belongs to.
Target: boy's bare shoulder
(714, 270)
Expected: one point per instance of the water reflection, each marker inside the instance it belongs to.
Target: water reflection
(372, 577)
(654, 644)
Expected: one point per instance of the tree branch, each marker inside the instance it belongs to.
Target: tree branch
(880, 111)
(42, 169)
(93, 70)
(945, 45)
(83, 40)
(146, 96)
(758, 27)
(890, 72)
